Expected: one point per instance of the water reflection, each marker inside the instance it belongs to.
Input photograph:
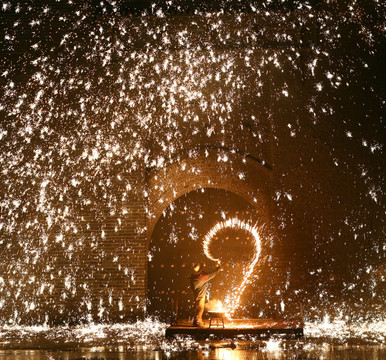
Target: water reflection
(208, 352)
(228, 354)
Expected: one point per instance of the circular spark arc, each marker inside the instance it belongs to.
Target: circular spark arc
(238, 224)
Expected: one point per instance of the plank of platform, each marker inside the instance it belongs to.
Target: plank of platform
(248, 328)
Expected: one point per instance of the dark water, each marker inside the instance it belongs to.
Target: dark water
(210, 352)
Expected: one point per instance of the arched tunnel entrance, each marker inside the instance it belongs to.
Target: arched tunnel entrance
(176, 243)
(186, 198)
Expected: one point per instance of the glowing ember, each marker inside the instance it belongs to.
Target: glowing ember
(219, 307)
(234, 299)
(215, 306)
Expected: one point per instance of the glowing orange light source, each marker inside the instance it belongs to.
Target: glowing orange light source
(219, 307)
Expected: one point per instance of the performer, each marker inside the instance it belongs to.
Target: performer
(199, 281)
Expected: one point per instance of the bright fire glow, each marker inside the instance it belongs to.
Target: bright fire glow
(235, 223)
(217, 306)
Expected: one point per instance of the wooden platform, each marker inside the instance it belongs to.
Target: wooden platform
(262, 328)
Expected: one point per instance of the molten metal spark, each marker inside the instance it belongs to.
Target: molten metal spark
(219, 306)
(215, 305)
(234, 300)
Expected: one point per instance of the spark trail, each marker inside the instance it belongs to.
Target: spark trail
(234, 301)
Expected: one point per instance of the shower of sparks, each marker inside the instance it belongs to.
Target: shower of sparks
(149, 334)
(233, 300)
(91, 98)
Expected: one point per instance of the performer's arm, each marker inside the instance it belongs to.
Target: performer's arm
(212, 274)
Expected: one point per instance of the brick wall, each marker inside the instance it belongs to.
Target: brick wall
(209, 168)
(307, 160)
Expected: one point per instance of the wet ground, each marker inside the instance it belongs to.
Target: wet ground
(146, 340)
(209, 352)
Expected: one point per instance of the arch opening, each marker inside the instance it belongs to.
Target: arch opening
(177, 242)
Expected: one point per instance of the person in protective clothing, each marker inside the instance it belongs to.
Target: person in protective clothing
(199, 283)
